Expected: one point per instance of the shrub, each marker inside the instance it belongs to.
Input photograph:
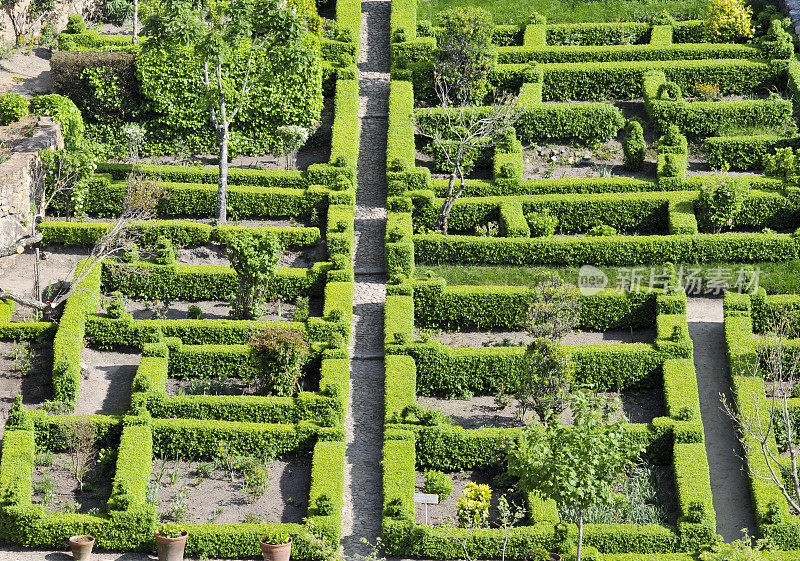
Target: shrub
(75, 24)
(473, 506)
(602, 230)
(254, 257)
(633, 146)
(13, 107)
(462, 56)
(784, 163)
(437, 483)
(719, 203)
(285, 352)
(165, 254)
(729, 21)
(194, 312)
(541, 223)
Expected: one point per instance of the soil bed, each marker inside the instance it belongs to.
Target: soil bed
(446, 510)
(66, 495)
(473, 337)
(309, 382)
(218, 500)
(214, 254)
(639, 405)
(57, 264)
(211, 309)
(29, 374)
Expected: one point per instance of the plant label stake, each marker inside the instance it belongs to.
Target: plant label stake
(426, 499)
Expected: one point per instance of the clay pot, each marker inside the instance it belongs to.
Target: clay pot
(276, 552)
(554, 557)
(81, 547)
(171, 549)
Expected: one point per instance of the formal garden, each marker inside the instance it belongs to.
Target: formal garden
(578, 224)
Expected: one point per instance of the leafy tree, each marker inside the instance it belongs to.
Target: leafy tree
(578, 465)
(254, 257)
(462, 58)
(544, 385)
(224, 38)
(720, 202)
(554, 308)
(546, 379)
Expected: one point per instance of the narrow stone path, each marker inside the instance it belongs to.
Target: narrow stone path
(361, 517)
(730, 487)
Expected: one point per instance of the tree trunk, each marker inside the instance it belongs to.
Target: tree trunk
(447, 206)
(135, 20)
(580, 535)
(222, 189)
(20, 245)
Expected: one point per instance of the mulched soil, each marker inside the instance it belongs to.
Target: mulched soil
(286, 498)
(235, 386)
(96, 485)
(16, 377)
(473, 337)
(639, 405)
(214, 254)
(212, 309)
(446, 512)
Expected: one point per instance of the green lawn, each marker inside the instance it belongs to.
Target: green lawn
(776, 278)
(558, 11)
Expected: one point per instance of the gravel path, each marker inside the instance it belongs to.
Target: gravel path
(106, 389)
(729, 482)
(364, 423)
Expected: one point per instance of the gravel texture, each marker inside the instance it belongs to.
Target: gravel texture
(364, 422)
(729, 481)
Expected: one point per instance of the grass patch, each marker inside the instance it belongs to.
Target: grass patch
(558, 11)
(776, 278)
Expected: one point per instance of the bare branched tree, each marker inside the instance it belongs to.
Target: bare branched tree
(462, 129)
(763, 420)
(141, 203)
(23, 18)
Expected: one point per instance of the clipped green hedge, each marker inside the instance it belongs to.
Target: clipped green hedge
(706, 118)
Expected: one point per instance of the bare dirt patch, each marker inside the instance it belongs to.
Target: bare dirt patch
(25, 368)
(65, 494)
(57, 264)
(218, 499)
(214, 254)
(471, 337)
(211, 309)
(446, 510)
(26, 72)
(639, 405)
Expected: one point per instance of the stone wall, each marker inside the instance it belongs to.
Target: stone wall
(17, 183)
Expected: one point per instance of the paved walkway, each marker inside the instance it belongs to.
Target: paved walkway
(362, 479)
(729, 482)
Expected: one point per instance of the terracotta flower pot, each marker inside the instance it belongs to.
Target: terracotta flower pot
(276, 552)
(171, 549)
(81, 547)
